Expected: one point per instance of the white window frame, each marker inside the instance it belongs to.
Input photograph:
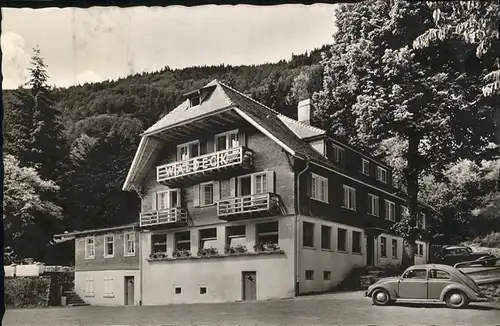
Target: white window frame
(421, 220)
(162, 243)
(87, 254)
(316, 182)
(188, 145)
(347, 199)
(201, 240)
(374, 199)
(202, 193)
(394, 249)
(383, 244)
(108, 288)
(389, 204)
(126, 240)
(235, 236)
(253, 182)
(168, 203)
(404, 211)
(89, 290)
(226, 135)
(112, 236)
(365, 164)
(380, 175)
(338, 154)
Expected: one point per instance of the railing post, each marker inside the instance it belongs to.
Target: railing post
(268, 197)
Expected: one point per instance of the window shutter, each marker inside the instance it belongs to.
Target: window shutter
(270, 181)
(196, 195)
(232, 187)
(210, 145)
(216, 191)
(309, 185)
(179, 198)
(154, 199)
(242, 138)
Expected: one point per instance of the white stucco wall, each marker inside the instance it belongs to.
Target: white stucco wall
(221, 276)
(389, 260)
(98, 297)
(320, 260)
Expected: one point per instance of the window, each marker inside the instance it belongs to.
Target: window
(225, 189)
(89, 286)
(208, 238)
(167, 199)
(338, 154)
(349, 198)
(326, 237)
(159, 243)
(307, 234)
(203, 290)
(236, 235)
(129, 244)
(365, 166)
(439, 275)
(319, 188)
(109, 246)
(381, 174)
(183, 240)
(405, 212)
(309, 275)
(390, 210)
(260, 183)
(373, 205)
(188, 150)
(342, 239)
(207, 194)
(356, 242)
(178, 290)
(268, 232)
(195, 100)
(416, 274)
(327, 275)
(420, 249)
(89, 248)
(383, 247)
(421, 220)
(108, 287)
(394, 248)
(227, 140)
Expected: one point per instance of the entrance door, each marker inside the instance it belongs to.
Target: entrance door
(370, 250)
(129, 290)
(249, 286)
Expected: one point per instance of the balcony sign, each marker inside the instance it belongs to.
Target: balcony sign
(202, 163)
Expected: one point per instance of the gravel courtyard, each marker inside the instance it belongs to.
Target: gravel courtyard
(348, 308)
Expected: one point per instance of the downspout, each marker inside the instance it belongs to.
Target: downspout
(138, 191)
(297, 234)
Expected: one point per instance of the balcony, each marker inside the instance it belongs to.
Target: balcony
(201, 167)
(171, 216)
(248, 206)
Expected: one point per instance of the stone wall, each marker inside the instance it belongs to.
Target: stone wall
(491, 291)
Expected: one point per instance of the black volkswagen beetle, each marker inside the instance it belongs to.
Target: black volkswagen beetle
(452, 255)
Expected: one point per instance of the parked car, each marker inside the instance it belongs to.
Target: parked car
(427, 283)
(457, 254)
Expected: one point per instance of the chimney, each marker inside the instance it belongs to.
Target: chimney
(304, 111)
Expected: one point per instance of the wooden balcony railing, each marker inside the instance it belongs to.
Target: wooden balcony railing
(237, 156)
(174, 215)
(266, 202)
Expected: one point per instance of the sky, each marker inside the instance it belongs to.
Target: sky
(101, 43)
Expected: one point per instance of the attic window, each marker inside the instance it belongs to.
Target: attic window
(194, 100)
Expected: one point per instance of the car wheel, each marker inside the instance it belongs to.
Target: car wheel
(456, 300)
(381, 297)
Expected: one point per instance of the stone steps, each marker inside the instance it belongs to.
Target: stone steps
(73, 299)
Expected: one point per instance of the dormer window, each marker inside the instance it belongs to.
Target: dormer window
(195, 100)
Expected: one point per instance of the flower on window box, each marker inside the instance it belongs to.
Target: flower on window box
(239, 249)
(180, 253)
(266, 246)
(204, 252)
(157, 255)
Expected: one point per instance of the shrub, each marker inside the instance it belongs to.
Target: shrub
(30, 291)
(492, 240)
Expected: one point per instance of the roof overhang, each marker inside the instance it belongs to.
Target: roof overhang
(72, 235)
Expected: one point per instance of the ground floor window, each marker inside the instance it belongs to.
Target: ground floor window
(308, 234)
(309, 275)
(383, 247)
(108, 287)
(89, 286)
(326, 234)
(356, 242)
(394, 248)
(341, 239)
(236, 235)
(159, 243)
(420, 249)
(183, 240)
(208, 238)
(268, 232)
